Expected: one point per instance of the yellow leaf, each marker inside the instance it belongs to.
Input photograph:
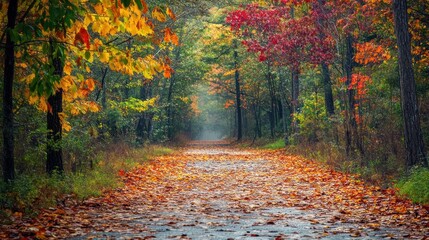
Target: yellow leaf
(28, 79)
(88, 20)
(158, 15)
(32, 99)
(66, 82)
(74, 110)
(66, 126)
(104, 57)
(146, 29)
(43, 105)
(67, 68)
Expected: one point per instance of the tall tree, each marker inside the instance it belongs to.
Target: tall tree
(9, 70)
(416, 153)
(237, 94)
(54, 161)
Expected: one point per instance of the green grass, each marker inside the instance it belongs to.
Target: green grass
(416, 186)
(279, 144)
(30, 193)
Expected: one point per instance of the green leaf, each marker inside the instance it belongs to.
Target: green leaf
(14, 35)
(87, 55)
(126, 2)
(139, 4)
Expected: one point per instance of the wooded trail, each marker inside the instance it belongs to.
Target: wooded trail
(219, 192)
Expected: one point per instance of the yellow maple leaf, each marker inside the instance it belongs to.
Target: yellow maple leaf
(74, 110)
(43, 104)
(67, 68)
(145, 29)
(29, 78)
(64, 123)
(88, 20)
(104, 57)
(158, 15)
(66, 82)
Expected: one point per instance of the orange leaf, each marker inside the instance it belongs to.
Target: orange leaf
(170, 36)
(170, 13)
(90, 83)
(145, 8)
(167, 71)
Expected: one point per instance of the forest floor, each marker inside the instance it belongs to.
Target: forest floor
(213, 191)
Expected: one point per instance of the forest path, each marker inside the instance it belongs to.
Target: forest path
(217, 192)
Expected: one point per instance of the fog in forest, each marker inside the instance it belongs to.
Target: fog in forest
(214, 122)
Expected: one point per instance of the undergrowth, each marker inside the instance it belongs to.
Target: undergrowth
(278, 144)
(31, 192)
(378, 169)
(416, 185)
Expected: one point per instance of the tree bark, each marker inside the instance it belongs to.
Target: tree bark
(141, 125)
(414, 145)
(9, 71)
(237, 95)
(272, 112)
(326, 79)
(54, 160)
(350, 103)
(170, 108)
(327, 86)
(295, 100)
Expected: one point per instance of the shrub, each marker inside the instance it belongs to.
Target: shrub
(416, 186)
(280, 143)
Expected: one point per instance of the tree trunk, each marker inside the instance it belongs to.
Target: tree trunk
(237, 94)
(350, 103)
(102, 90)
(283, 100)
(255, 115)
(327, 86)
(295, 100)
(54, 160)
(272, 112)
(414, 145)
(141, 125)
(170, 108)
(9, 71)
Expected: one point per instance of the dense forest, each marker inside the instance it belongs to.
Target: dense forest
(342, 81)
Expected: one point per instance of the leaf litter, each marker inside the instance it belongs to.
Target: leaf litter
(218, 192)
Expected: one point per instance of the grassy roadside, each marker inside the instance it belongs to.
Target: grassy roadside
(32, 192)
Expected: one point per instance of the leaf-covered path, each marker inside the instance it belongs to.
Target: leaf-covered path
(217, 192)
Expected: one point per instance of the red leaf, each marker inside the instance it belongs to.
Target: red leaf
(82, 37)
